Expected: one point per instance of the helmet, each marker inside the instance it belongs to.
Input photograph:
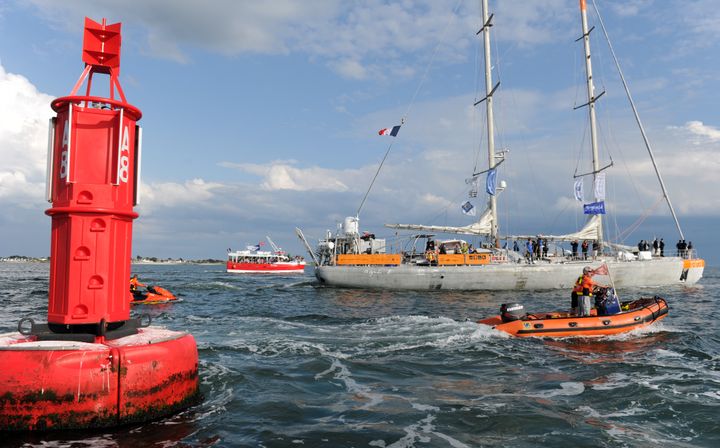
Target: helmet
(587, 270)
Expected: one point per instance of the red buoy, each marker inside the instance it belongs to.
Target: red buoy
(91, 365)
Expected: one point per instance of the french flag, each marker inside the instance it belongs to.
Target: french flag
(392, 132)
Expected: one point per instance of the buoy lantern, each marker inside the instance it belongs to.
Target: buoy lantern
(91, 365)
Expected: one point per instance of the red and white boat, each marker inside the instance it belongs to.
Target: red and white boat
(252, 260)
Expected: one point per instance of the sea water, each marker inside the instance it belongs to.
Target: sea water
(286, 362)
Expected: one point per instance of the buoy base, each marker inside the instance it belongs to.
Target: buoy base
(68, 385)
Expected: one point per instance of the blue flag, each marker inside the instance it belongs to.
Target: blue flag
(595, 208)
(468, 208)
(491, 182)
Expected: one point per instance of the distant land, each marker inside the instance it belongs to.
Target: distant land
(135, 260)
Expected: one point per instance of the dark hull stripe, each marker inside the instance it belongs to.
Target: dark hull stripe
(649, 318)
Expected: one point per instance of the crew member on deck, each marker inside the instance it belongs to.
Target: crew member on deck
(582, 293)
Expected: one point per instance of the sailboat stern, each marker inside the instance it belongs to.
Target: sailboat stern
(692, 270)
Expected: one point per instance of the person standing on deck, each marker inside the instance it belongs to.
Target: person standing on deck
(582, 292)
(529, 249)
(574, 246)
(584, 249)
(662, 247)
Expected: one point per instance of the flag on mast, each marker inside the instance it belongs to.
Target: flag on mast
(491, 182)
(392, 132)
(600, 187)
(468, 208)
(579, 194)
(601, 270)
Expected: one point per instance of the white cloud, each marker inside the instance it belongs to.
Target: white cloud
(24, 119)
(629, 8)
(350, 69)
(172, 194)
(701, 17)
(355, 39)
(532, 23)
(436, 201)
(701, 131)
(282, 175)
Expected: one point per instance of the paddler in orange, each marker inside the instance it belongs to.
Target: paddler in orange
(582, 292)
(134, 283)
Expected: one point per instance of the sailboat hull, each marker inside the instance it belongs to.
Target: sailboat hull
(504, 277)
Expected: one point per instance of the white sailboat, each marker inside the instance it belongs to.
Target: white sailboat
(348, 259)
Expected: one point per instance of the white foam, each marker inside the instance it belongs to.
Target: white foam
(282, 347)
(662, 353)
(342, 373)
(454, 443)
(612, 381)
(415, 433)
(567, 389)
(424, 407)
(588, 411)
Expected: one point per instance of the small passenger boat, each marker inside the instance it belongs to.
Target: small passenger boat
(256, 261)
(611, 317)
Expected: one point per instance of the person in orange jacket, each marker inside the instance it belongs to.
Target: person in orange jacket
(134, 283)
(582, 292)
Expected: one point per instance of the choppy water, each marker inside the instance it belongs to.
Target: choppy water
(284, 362)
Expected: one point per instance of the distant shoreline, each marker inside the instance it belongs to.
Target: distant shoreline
(134, 261)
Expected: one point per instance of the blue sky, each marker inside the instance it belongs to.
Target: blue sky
(263, 116)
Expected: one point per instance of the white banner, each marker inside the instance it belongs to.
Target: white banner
(600, 187)
(579, 195)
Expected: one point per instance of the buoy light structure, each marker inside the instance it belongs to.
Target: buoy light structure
(91, 365)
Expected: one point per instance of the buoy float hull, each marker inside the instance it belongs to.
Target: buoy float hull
(68, 385)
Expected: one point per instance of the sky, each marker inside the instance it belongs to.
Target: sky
(259, 117)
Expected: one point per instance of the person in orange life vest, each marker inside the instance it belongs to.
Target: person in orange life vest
(134, 283)
(581, 293)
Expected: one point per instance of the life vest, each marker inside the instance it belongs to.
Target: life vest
(578, 285)
(134, 283)
(584, 281)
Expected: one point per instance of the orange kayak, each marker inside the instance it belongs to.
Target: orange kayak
(152, 295)
(633, 315)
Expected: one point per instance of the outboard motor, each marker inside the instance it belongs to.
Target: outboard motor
(511, 311)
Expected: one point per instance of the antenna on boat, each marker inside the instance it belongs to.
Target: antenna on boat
(591, 102)
(489, 91)
(274, 246)
(637, 119)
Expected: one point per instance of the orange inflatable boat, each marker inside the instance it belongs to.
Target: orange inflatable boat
(630, 316)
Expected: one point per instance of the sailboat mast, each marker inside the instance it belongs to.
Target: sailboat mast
(591, 102)
(490, 120)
